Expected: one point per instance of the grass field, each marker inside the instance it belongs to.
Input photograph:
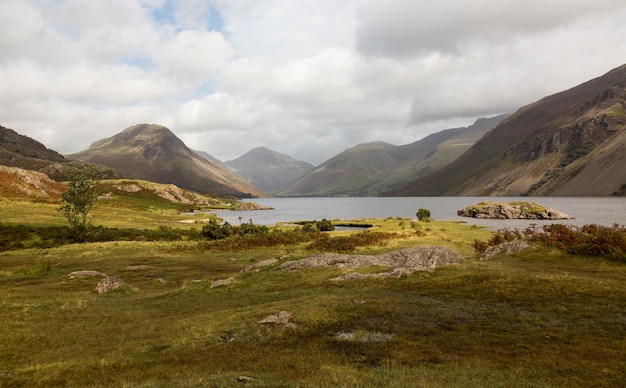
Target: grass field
(539, 317)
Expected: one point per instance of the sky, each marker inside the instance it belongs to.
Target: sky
(307, 78)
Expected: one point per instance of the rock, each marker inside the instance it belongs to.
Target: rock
(507, 247)
(512, 210)
(77, 274)
(256, 266)
(282, 318)
(108, 284)
(401, 262)
(222, 282)
(139, 267)
(363, 336)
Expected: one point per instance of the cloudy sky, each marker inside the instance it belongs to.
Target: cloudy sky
(308, 78)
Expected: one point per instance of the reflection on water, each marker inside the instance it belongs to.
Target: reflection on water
(600, 210)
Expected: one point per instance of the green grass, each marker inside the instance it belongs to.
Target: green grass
(540, 317)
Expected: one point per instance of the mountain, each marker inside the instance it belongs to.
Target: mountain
(21, 151)
(268, 170)
(571, 143)
(373, 168)
(152, 152)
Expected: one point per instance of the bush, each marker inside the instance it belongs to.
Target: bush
(423, 215)
(325, 225)
(588, 240)
(349, 243)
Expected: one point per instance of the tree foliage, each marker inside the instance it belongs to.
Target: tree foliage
(423, 215)
(80, 197)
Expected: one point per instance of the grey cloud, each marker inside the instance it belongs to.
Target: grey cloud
(402, 28)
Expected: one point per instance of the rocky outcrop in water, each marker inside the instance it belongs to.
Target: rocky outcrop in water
(512, 210)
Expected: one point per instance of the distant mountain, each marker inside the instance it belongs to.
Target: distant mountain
(572, 143)
(209, 157)
(152, 152)
(268, 170)
(373, 168)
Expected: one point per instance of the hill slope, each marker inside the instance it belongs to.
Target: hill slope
(152, 152)
(268, 170)
(571, 144)
(21, 151)
(372, 168)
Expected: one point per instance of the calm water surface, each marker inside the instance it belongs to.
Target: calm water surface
(601, 210)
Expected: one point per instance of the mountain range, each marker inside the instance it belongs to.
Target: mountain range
(571, 143)
(373, 168)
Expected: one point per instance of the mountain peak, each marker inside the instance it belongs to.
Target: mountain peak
(153, 152)
(269, 170)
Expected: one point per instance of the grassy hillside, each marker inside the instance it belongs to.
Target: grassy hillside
(192, 313)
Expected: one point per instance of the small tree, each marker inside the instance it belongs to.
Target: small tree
(80, 197)
(423, 215)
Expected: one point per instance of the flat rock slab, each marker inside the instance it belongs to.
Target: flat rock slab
(78, 274)
(400, 262)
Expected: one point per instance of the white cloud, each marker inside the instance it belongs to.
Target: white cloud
(192, 55)
(309, 78)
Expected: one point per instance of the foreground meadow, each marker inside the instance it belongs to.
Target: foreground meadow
(538, 317)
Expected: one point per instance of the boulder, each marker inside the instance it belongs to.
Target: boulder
(108, 284)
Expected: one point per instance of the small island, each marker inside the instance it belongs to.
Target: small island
(512, 210)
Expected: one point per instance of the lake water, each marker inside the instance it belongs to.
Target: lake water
(600, 210)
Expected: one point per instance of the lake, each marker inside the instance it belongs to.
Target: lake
(586, 210)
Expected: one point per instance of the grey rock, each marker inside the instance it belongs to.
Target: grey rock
(401, 262)
(77, 274)
(108, 284)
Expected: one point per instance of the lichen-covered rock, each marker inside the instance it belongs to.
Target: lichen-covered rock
(281, 318)
(108, 284)
(512, 210)
(507, 247)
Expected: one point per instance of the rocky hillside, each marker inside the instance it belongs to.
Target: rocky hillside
(152, 152)
(268, 170)
(21, 151)
(569, 144)
(16, 182)
(373, 168)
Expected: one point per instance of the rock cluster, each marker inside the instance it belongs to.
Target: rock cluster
(402, 262)
(512, 210)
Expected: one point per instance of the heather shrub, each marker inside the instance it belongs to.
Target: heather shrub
(587, 240)
(349, 243)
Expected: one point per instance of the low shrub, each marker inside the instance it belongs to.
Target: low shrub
(349, 243)
(589, 240)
